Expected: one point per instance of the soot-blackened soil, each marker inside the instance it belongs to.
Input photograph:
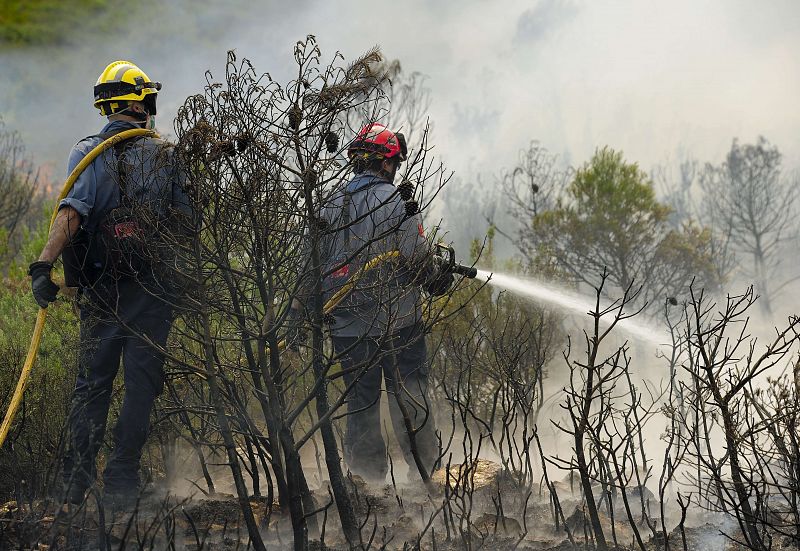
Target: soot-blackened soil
(496, 514)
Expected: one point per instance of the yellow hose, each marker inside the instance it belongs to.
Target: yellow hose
(347, 287)
(334, 301)
(16, 400)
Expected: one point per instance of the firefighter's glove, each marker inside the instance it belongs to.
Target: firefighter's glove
(44, 290)
(296, 333)
(440, 282)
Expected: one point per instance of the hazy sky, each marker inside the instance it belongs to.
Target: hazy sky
(650, 78)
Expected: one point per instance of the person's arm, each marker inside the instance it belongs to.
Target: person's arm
(412, 243)
(77, 204)
(75, 207)
(417, 253)
(67, 222)
(182, 200)
(66, 225)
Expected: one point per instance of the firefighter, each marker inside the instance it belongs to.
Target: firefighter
(125, 307)
(377, 330)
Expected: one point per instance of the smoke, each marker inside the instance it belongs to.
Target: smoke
(576, 76)
(546, 17)
(573, 75)
(47, 91)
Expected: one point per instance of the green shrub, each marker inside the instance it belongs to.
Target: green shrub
(25, 22)
(28, 457)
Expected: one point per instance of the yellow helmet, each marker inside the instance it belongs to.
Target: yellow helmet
(121, 82)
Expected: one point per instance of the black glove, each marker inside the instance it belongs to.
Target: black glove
(296, 333)
(44, 290)
(440, 282)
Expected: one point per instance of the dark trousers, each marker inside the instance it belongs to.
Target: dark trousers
(104, 338)
(401, 361)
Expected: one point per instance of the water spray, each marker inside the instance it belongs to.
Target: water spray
(567, 300)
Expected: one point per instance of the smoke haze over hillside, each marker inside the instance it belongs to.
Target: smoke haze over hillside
(647, 78)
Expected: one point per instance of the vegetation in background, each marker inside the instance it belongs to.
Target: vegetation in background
(20, 197)
(39, 22)
(26, 461)
(755, 205)
(30, 23)
(608, 217)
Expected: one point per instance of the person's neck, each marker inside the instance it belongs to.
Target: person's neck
(377, 174)
(124, 118)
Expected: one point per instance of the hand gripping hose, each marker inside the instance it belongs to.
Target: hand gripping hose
(16, 400)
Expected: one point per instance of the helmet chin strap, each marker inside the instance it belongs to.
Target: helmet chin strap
(138, 115)
(141, 118)
(389, 175)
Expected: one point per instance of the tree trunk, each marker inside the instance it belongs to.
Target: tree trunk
(332, 459)
(761, 282)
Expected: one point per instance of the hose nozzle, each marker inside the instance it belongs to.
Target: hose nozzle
(467, 271)
(447, 257)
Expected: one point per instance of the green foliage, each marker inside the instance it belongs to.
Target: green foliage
(492, 341)
(693, 246)
(609, 218)
(32, 446)
(47, 21)
(31, 451)
(15, 257)
(53, 22)
(610, 195)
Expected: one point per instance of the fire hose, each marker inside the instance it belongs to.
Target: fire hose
(444, 257)
(33, 349)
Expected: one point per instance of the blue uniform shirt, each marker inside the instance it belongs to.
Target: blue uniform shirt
(153, 178)
(387, 299)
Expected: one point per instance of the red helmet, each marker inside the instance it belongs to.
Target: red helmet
(377, 139)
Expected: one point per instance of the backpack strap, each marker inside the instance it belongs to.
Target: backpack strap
(348, 199)
(348, 229)
(119, 149)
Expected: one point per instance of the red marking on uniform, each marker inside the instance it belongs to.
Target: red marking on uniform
(421, 230)
(126, 229)
(344, 271)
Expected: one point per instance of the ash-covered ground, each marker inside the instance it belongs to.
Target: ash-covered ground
(478, 506)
